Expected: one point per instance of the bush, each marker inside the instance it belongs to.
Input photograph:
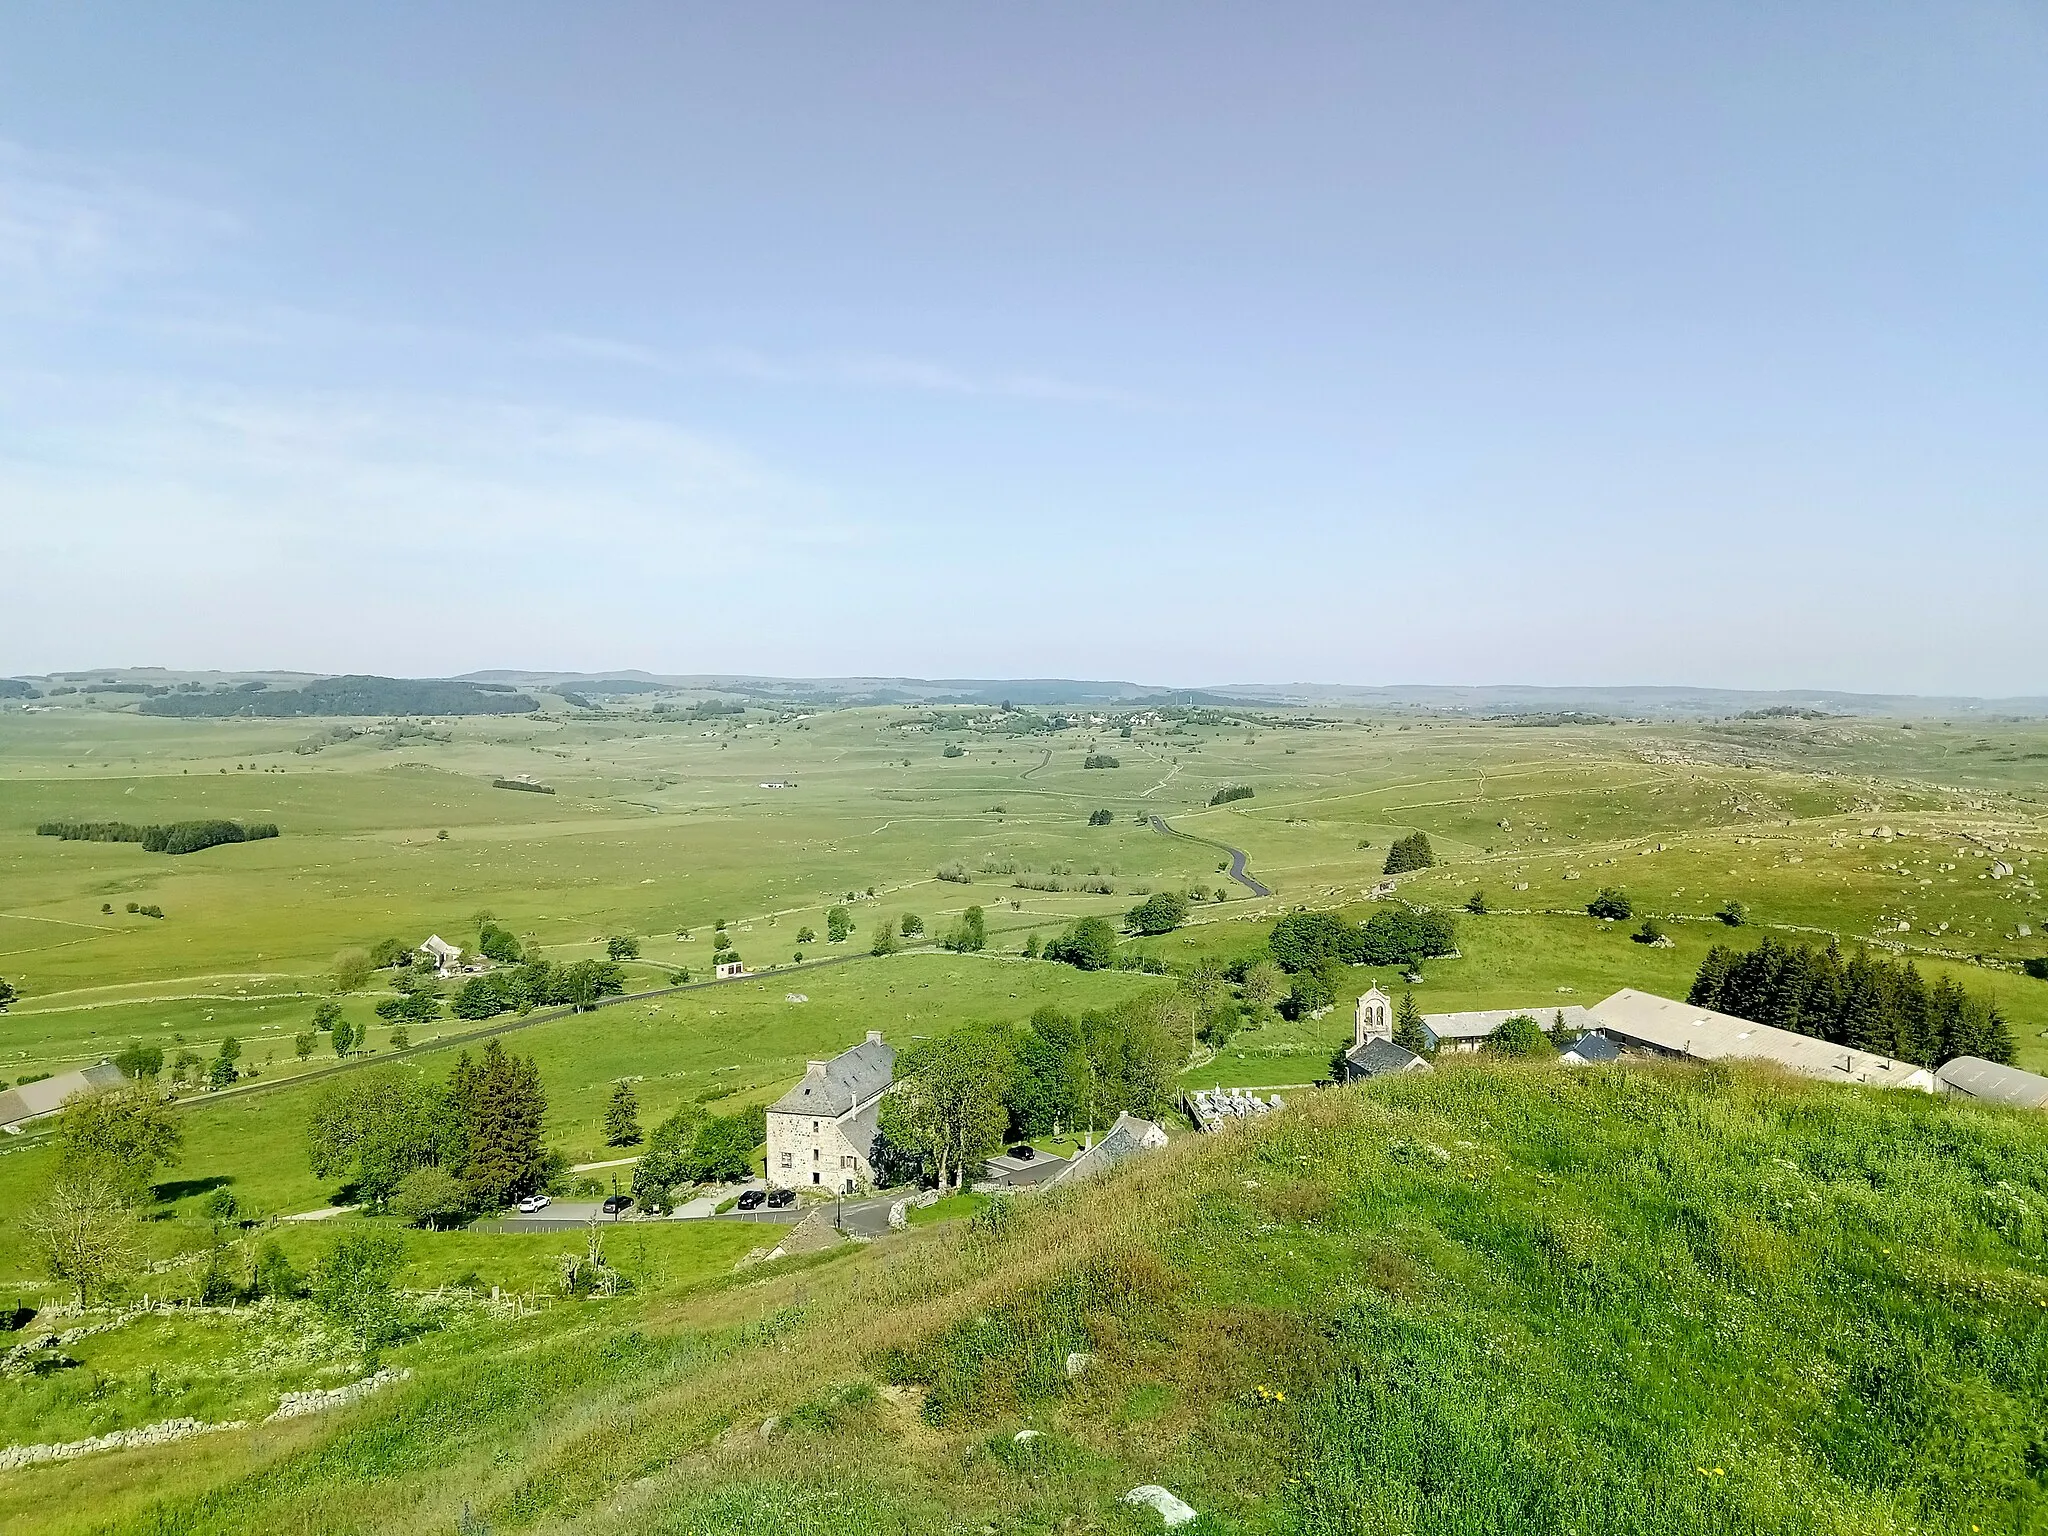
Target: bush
(1476, 903)
(955, 872)
(1231, 792)
(1649, 932)
(1161, 913)
(2037, 967)
(1090, 945)
(1519, 1035)
(1732, 914)
(954, 749)
(1410, 852)
(1101, 818)
(1611, 904)
(1100, 760)
(498, 944)
(431, 1197)
(969, 935)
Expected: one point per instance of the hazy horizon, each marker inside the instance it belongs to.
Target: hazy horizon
(1687, 347)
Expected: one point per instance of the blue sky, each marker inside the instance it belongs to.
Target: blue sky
(1182, 343)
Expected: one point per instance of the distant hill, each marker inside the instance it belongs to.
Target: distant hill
(1522, 703)
(344, 696)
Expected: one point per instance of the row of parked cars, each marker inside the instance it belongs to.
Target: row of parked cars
(613, 1204)
(774, 1199)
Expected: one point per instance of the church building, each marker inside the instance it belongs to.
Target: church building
(1373, 1052)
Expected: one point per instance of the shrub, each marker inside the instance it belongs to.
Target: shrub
(1476, 903)
(1649, 932)
(1090, 945)
(1101, 818)
(1161, 913)
(2037, 967)
(1518, 1035)
(1611, 904)
(1410, 852)
(954, 749)
(1732, 913)
(1231, 792)
(1100, 760)
(498, 944)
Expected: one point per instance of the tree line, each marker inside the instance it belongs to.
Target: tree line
(538, 984)
(356, 695)
(173, 837)
(1868, 1003)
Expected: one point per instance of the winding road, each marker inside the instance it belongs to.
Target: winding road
(1238, 872)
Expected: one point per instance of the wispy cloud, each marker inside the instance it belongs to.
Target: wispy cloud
(845, 369)
(64, 223)
(315, 478)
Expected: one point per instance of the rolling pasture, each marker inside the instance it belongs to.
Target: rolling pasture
(661, 825)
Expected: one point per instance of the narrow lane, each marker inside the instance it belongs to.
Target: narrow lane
(1238, 871)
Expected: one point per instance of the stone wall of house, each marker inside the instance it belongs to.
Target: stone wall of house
(802, 1145)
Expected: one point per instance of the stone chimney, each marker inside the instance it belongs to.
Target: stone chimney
(874, 1037)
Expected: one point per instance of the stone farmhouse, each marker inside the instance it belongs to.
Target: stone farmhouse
(821, 1134)
(446, 958)
(1469, 1031)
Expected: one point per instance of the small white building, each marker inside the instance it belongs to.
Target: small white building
(821, 1134)
(445, 958)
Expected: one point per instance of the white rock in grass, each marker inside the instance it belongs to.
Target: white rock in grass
(1172, 1510)
(1023, 1435)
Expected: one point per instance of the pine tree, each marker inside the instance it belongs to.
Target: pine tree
(1408, 1031)
(622, 1117)
(503, 1157)
(1712, 979)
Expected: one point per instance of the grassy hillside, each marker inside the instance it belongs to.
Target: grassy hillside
(1493, 1299)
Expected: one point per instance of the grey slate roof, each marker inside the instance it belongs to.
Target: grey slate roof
(1122, 1142)
(32, 1100)
(1987, 1080)
(1477, 1025)
(1378, 1057)
(1595, 1050)
(831, 1088)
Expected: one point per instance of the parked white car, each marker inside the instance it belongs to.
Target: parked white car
(529, 1205)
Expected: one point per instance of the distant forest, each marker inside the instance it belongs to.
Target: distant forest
(178, 837)
(347, 696)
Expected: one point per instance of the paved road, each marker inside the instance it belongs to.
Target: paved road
(1238, 871)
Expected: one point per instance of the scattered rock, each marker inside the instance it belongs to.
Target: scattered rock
(1024, 1434)
(1077, 1362)
(1172, 1510)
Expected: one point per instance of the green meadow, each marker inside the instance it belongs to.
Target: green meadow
(1915, 838)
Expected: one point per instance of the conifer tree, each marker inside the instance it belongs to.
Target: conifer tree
(501, 1104)
(622, 1117)
(1408, 1031)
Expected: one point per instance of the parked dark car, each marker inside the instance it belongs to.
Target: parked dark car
(1024, 1152)
(780, 1198)
(751, 1199)
(613, 1204)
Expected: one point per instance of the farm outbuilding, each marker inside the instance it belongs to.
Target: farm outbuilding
(1972, 1077)
(32, 1101)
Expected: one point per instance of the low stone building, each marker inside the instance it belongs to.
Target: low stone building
(47, 1095)
(1130, 1137)
(821, 1134)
